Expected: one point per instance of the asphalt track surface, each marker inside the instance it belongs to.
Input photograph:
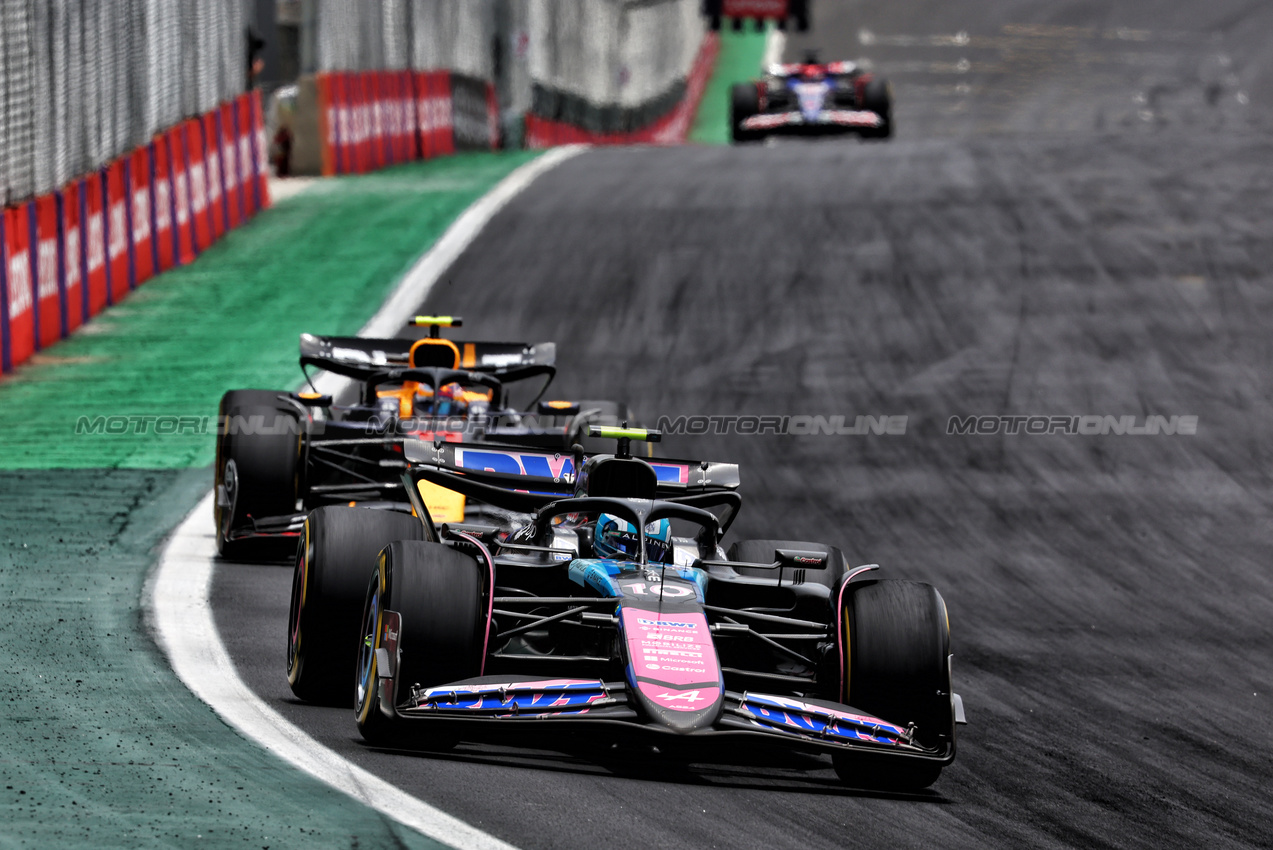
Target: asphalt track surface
(1075, 223)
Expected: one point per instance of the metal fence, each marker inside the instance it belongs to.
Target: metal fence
(621, 53)
(388, 35)
(617, 55)
(84, 81)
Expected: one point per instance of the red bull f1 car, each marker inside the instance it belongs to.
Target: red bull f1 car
(280, 454)
(606, 606)
(812, 98)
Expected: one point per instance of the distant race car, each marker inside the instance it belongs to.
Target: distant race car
(604, 605)
(281, 454)
(812, 98)
(759, 11)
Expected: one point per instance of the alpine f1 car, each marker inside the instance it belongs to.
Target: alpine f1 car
(760, 11)
(280, 454)
(605, 604)
(812, 98)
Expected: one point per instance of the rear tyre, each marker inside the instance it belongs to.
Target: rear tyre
(336, 556)
(437, 592)
(877, 96)
(257, 469)
(896, 649)
(764, 552)
(744, 102)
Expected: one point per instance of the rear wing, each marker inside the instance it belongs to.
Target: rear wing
(792, 69)
(360, 357)
(524, 480)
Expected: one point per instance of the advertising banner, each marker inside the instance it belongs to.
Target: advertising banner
(182, 221)
(72, 255)
(227, 123)
(117, 232)
(19, 294)
(162, 206)
(142, 246)
(93, 232)
(192, 131)
(212, 173)
(49, 294)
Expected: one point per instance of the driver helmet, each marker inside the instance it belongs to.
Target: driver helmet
(812, 66)
(450, 400)
(617, 539)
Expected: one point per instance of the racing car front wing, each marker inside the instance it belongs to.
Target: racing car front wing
(803, 724)
(826, 119)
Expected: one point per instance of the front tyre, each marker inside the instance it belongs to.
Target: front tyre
(877, 96)
(895, 644)
(336, 555)
(744, 103)
(437, 593)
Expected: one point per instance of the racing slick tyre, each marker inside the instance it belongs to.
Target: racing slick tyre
(800, 11)
(744, 102)
(437, 593)
(257, 468)
(337, 553)
(764, 552)
(877, 96)
(896, 648)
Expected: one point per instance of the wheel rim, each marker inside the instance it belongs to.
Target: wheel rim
(366, 669)
(300, 581)
(225, 516)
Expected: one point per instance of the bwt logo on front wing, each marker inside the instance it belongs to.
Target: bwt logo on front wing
(665, 624)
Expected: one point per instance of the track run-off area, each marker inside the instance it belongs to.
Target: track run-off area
(1071, 220)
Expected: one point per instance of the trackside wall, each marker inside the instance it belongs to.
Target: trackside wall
(71, 252)
(423, 78)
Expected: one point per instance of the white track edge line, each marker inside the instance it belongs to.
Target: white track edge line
(179, 588)
(775, 44)
(428, 269)
(188, 634)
